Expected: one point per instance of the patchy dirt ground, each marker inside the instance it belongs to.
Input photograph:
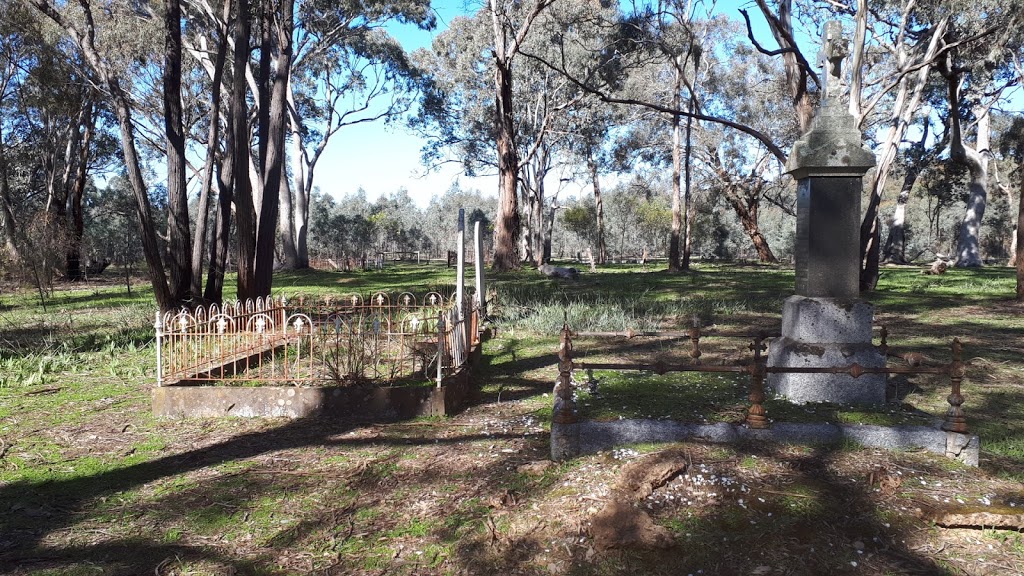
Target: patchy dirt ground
(91, 483)
(474, 494)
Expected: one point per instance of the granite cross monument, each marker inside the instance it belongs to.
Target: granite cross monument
(825, 324)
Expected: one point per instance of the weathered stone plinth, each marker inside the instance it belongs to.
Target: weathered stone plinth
(826, 332)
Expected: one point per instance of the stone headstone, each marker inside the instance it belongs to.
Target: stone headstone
(825, 325)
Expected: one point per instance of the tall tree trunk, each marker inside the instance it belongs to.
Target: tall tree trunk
(221, 240)
(286, 227)
(781, 25)
(302, 185)
(179, 237)
(76, 193)
(1019, 248)
(507, 43)
(274, 160)
(286, 221)
(150, 247)
(8, 226)
(245, 213)
(968, 250)
(537, 222)
(687, 188)
(199, 245)
(602, 250)
(905, 105)
(549, 229)
(674, 239)
(896, 243)
(748, 213)
(508, 227)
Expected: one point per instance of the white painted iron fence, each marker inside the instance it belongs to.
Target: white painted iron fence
(317, 341)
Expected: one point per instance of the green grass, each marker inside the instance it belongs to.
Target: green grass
(84, 458)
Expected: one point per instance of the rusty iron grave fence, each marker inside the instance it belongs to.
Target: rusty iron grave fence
(565, 410)
(306, 341)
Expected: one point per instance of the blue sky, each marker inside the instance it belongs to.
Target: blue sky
(382, 159)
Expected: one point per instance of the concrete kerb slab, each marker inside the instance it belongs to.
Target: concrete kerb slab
(568, 441)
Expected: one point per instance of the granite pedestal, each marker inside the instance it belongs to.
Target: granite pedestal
(820, 333)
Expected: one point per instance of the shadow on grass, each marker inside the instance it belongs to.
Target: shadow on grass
(53, 506)
(718, 539)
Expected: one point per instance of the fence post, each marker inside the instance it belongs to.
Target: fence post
(460, 271)
(756, 413)
(956, 421)
(694, 333)
(565, 427)
(440, 347)
(159, 326)
(478, 255)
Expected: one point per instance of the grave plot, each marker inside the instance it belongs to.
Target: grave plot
(378, 356)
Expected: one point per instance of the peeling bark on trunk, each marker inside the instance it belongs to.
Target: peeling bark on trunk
(968, 250)
(202, 235)
(508, 229)
(76, 193)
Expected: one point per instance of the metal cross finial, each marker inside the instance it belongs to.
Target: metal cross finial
(834, 48)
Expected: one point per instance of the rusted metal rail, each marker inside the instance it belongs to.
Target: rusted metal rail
(757, 368)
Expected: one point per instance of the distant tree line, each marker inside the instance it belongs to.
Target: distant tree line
(207, 120)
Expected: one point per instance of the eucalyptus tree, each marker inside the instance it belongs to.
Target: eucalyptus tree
(347, 70)
(675, 43)
(918, 157)
(1012, 145)
(53, 131)
(471, 111)
(113, 42)
(975, 65)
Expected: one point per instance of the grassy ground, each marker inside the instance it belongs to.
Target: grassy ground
(90, 483)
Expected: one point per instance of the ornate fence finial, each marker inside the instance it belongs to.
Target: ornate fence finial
(956, 420)
(565, 406)
(694, 333)
(756, 414)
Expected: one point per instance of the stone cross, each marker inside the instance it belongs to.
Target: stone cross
(834, 48)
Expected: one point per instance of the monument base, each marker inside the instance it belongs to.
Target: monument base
(826, 333)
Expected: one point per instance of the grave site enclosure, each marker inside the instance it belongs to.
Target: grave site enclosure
(395, 355)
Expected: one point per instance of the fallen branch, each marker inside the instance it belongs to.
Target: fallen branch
(53, 390)
(980, 520)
